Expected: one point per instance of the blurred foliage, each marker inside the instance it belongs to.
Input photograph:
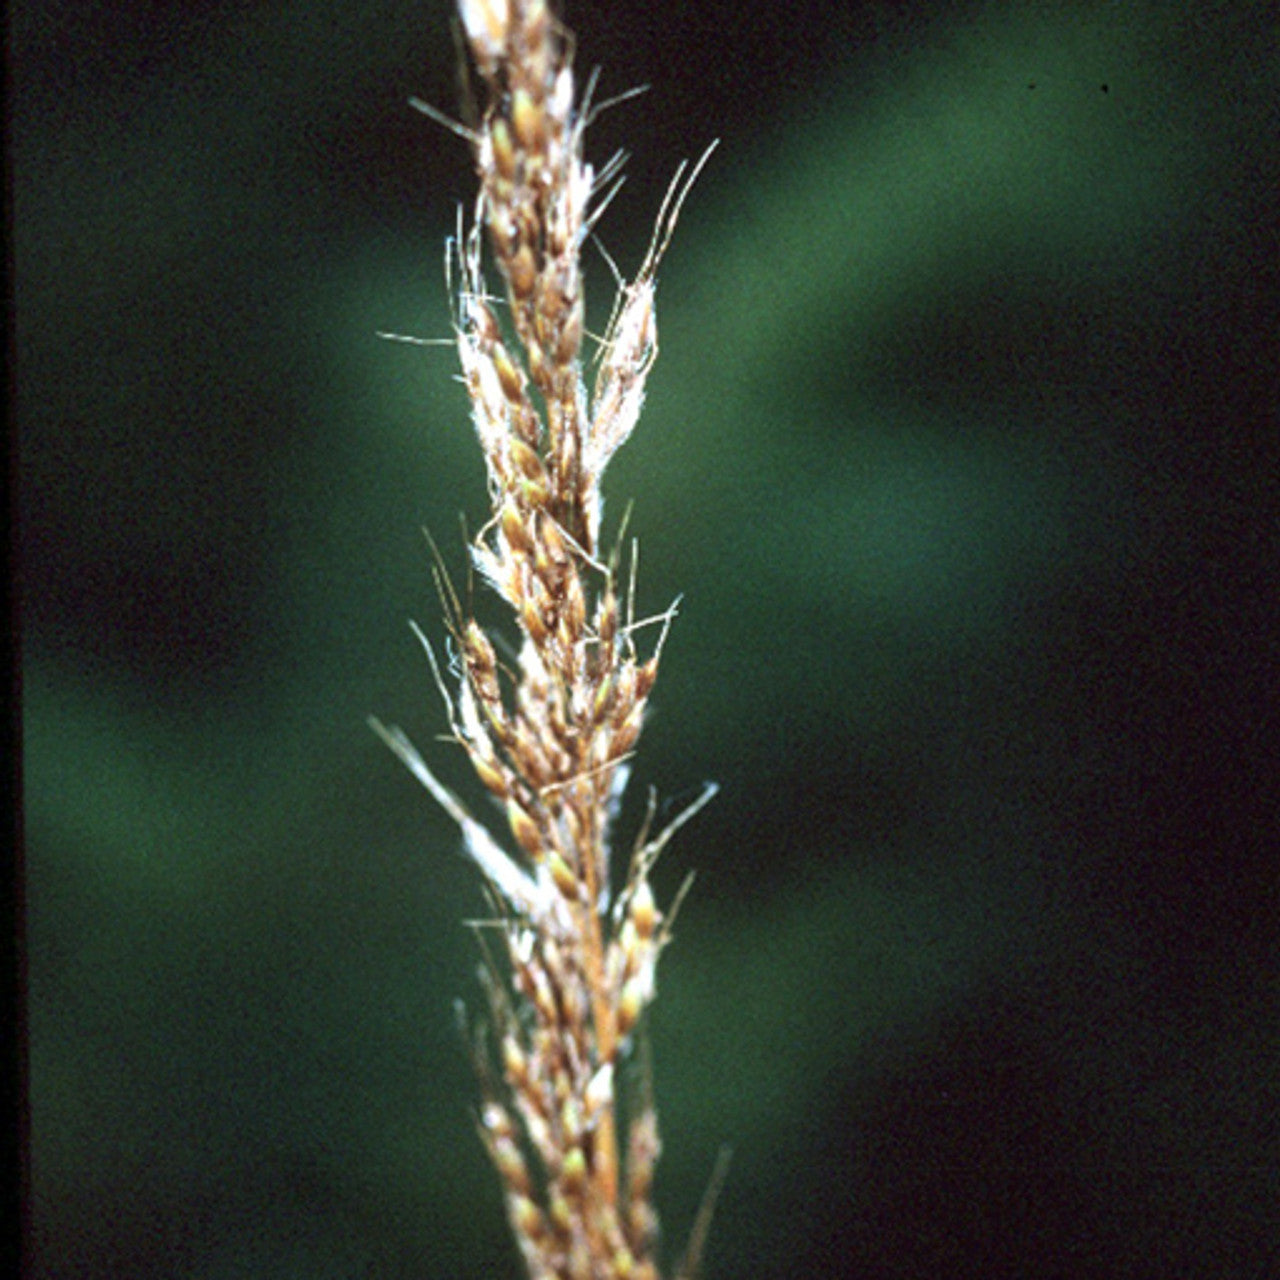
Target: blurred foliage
(962, 454)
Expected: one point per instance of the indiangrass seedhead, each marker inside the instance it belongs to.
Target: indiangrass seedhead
(550, 732)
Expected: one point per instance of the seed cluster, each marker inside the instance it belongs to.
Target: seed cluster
(549, 733)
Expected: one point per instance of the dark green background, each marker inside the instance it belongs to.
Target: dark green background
(961, 450)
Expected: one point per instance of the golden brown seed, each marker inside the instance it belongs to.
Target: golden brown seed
(645, 677)
(497, 717)
(541, 337)
(527, 1217)
(562, 874)
(526, 424)
(537, 41)
(552, 304)
(643, 1221)
(501, 231)
(558, 1212)
(571, 1009)
(483, 324)
(514, 530)
(626, 688)
(552, 540)
(573, 1173)
(570, 338)
(480, 652)
(524, 829)
(500, 193)
(531, 621)
(534, 493)
(630, 1007)
(641, 1178)
(539, 370)
(603, 700)
(548, 573)
(530, 756)
(523, 978)
(490, 774)
(522, 272)
(570, 1112)
(509, 376)
(624, 737)
(482, 664)
(558, 248)
(536, 18)
(644, 911)
(515, 1061)
(607, 618)
(528, 120)
(527, 460)
(575, 606)
(568, 458)
(545, 1001)
(573, 820)
(504, 155)
(511, 1166)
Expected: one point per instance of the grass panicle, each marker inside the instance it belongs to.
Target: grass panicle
(550, 730)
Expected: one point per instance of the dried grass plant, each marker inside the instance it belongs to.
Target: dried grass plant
(550, 731)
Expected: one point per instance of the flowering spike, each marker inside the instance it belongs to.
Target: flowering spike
(548, 730)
